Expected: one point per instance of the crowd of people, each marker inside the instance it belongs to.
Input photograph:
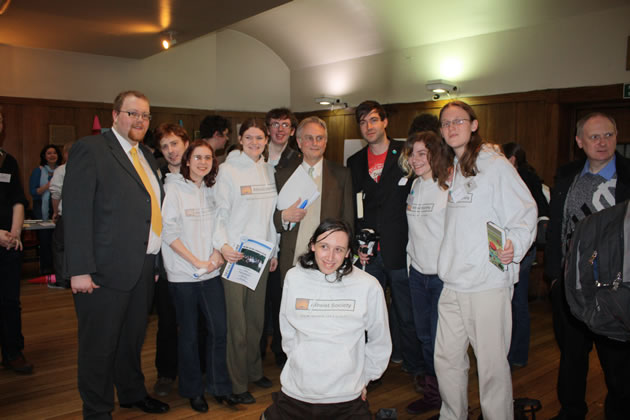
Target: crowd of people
(133, 230)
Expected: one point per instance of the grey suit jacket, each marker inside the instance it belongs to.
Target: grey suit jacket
(107, 212)
(336, 202)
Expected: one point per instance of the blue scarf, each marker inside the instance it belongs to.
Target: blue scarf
(45, 174)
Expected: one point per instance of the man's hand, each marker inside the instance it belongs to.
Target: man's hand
(293, 214)
(273, 264)
(364, 394)
(364, 258)
(6, 239)
(230, 254)
(82, 284)
(506, 255)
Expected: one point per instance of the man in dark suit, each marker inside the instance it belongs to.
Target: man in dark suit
(581, 188)
(380, 188)
(113, 225)
(334, 182)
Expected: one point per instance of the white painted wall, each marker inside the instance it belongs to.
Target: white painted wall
(585, 50)
(250, 76)
(224, 71)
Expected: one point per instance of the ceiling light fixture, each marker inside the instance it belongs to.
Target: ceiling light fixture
(168, 39)
(441, 86)
(326, 100)
(4, 5)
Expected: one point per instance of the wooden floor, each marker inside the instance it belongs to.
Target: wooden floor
(49, 327)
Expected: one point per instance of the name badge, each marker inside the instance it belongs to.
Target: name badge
(403, 181)
(5, 178)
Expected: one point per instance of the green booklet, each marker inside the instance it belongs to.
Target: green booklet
(496, 239)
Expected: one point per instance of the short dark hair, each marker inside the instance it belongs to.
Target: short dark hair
(329, 226)
(120, 98)
(42, 155)
(425, 122)
(165, 129)
(209, 179)
(366, 107)
(281, 114)
(212, 124)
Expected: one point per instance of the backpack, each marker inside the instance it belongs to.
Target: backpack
(597, 272)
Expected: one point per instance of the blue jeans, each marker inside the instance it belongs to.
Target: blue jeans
(401, 322)
(191, 298)
(425, 294)
(519, 347)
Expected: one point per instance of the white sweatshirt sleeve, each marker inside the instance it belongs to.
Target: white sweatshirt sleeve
(515, 207)
(286, 329)
(224, 194)
(378, 348)
(171, 215)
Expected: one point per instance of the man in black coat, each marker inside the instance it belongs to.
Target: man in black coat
(582, 188)
(111, 198)
(380, 189)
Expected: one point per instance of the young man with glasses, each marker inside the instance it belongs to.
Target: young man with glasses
(113, 225)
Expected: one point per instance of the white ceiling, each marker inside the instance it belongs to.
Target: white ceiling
(303, 33)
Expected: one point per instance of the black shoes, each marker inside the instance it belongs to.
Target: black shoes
(230, 400)
(244, 398)
(18, 365)
(263, 382)
(149, 405)
(199, 404)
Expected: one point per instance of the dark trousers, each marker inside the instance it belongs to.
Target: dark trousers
(576, 342)
(44, 236)
(166, 337)
(58, 252)
(401, 313)
(11, 338)
(519, 347)
(112, 325)
(287, 408)
(272, 314)
(192, 299)
(425, 295)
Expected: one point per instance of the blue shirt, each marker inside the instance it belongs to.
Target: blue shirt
(607, 172)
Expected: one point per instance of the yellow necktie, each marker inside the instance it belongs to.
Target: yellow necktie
(156, 216)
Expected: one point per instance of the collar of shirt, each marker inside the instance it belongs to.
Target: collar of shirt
(317, 169)
(607, 172)
(124, 143)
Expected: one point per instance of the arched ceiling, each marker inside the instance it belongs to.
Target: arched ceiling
(303, 33)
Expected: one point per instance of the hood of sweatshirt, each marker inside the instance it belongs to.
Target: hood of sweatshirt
(240, 159)
(185, 184)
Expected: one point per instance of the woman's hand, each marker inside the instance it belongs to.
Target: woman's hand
(230, 254)
(216, 260)
(273, 264)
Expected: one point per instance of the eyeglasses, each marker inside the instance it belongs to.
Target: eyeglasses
(598, 137)
(198, 158)
(277, 124)
(136, 115)
(455, 122)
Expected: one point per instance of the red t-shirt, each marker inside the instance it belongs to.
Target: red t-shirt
(376, 164)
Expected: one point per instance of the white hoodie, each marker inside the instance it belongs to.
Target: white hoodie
(426, 209)
(323, 328)
(246, 199)
(188, 214)
(496, 194)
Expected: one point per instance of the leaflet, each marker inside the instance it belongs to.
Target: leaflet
(247, 270)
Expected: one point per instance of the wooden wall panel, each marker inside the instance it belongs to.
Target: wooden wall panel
(542, 122)
(26, 124)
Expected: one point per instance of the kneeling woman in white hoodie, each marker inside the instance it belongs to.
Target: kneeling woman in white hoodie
(246, 200)
(192, 264)
(335, 332)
